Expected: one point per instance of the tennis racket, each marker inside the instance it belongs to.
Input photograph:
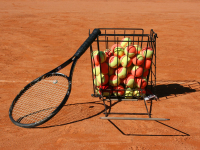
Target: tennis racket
(44, 97)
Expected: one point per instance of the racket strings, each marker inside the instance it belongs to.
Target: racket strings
(40, 100)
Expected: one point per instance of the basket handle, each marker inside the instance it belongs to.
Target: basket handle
(87, 43)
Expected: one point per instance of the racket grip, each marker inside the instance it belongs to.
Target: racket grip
(87, 43)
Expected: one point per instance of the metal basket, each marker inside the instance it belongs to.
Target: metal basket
(125, 83)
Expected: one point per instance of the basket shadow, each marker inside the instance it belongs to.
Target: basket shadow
(72, 113)
(170, 89)
(167, 89)
(179, 131)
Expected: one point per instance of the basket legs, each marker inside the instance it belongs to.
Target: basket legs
(108, 111)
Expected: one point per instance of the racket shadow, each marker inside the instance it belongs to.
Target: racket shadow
(73, 113)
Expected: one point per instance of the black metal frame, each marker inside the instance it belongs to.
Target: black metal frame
(111, 36)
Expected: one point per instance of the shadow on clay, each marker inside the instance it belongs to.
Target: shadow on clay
(170, 89)
(167, 90)
(181, 133)
(72, 113)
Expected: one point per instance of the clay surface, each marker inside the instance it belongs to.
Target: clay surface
(37, 36)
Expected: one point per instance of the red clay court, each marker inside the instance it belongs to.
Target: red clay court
(38, 36)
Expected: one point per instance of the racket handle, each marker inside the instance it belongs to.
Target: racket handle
(87, 43)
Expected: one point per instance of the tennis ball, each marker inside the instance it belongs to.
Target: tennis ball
(118, 90)
(92, 56)
(108, 54)
(113, 47)
(130, 51)
(114, 62)
(146, 72)
(147, 64)
(147, 52)
(95, 82)
(137, 71)
(105, 90)
(136, 93)
(129, 81)
(55, 81)
(139, 92)
(141, 82)
(103, 70)
(102, 79)
(138, 60)
(125, 61)
(118, 51)
(111, 71)
(114, 80)
(96, 70)
(138, 49)
(98, 57)
(129, 93)
(121, 72)
(125, 42)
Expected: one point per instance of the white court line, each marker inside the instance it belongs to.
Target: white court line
(9, 81)
(179, 82)
(12, 81)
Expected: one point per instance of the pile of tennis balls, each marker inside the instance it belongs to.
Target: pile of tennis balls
(122, 69)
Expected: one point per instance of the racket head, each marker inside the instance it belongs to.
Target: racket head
(40, 100)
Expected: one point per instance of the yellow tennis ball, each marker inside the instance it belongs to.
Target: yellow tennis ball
(114, 62)
(138, 60)
(130, 51)
(139, 92)
(147, 52)
(125, 42)
(105, 90)
(136, 93)
(103, 68)
(121, 72)
(114, 80)
(95, 81)
(102, 79)
(129, 81)
(98, 57)
(119, 51)
(118, 90)
(129, 93)
(141, 82)
(125, 61)
(96, 70)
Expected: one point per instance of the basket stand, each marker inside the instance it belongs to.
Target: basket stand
(108, 112)
(148, 113)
